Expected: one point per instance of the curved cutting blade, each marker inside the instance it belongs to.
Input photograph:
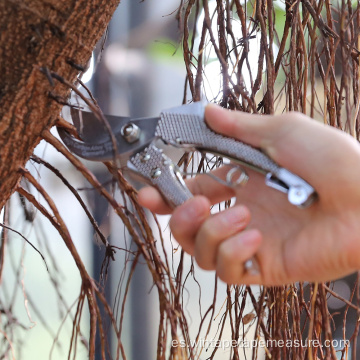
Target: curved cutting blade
(97, 144)
(93, 130)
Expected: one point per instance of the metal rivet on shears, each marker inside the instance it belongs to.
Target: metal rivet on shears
(297, 195)
(156, 173)
(144, 158)
(166, 160)
(130, 132)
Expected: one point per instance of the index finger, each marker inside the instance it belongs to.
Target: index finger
(201, 184)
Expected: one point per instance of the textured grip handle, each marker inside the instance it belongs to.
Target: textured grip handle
(191, 129)
(163, 174)
(185, 126)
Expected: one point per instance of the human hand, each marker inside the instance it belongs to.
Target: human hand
(290, 244)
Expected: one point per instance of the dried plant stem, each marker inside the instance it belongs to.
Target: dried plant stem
(75, 193)
(312, 319)
(90, 289)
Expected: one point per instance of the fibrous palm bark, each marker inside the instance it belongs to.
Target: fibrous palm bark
(38, 37)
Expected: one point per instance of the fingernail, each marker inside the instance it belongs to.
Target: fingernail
(235, 216)
(216, 108)
(212, 106)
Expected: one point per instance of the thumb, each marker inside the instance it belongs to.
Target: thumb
(281, 137)
(256, 130)
(293, 140)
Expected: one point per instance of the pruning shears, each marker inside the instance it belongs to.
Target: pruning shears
(183, 127)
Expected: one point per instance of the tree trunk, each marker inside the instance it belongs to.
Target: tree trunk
(38, 37)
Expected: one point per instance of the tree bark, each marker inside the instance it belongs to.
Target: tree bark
(38, 37)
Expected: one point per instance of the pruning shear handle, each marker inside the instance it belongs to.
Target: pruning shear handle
(185, 127)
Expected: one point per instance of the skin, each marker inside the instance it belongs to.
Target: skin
(319, 243)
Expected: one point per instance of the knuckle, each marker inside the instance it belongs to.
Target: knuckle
(208, 234)
(229, 268)
(225, 278)
(204, 255)
(293, 116)
(203, 264)
(177, 227)
(204, 259)
(229, 277)
(228, 256)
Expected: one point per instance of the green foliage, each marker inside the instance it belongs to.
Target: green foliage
(165, 49)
